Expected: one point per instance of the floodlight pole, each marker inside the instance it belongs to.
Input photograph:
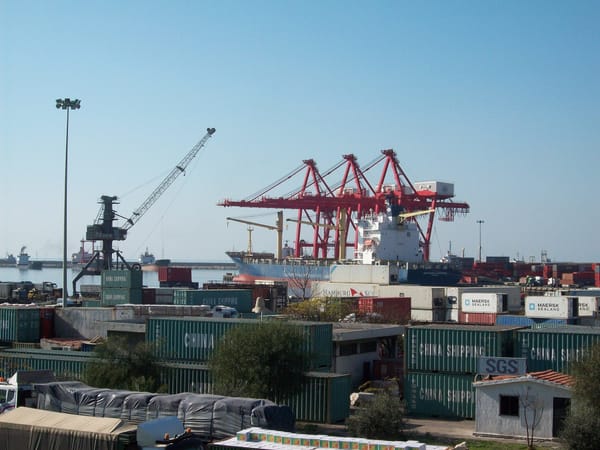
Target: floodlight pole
(67, 104)
(480, 222)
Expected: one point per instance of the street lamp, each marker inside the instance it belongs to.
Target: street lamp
(67, 104)
(480, 222)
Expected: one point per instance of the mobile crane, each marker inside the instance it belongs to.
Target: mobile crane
(104, 229)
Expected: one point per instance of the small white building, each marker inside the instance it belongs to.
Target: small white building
(510, 405)
(357, 345)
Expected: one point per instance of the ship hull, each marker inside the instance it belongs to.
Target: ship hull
(306, 271)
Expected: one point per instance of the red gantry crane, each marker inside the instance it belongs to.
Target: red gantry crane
(333, 210)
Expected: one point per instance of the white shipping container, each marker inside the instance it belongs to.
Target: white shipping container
(437, 187)
(483, 302)
(422, 297)
(343, 290)
(429, 315)
(513, 294)
(556, 307)
(588, 306)
(362, 273)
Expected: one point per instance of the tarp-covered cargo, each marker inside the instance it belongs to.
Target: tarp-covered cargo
(164, 405)
(135, 407)
(34, 429)
(232, 414)
(58, 396)
(271, 417)
(196, 413)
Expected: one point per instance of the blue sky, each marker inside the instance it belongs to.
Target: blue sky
(500, 98)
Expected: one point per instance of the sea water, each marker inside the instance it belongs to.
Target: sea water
(55, 275)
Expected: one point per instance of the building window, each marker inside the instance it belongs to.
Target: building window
(368, 347)
(509, 405)
(348, 349)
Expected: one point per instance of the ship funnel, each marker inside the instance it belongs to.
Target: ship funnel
(259, 306)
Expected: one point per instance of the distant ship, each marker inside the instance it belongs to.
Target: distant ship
(23, 259)
(150, 264)
(9, 260)
(384, 239)
(81, 258)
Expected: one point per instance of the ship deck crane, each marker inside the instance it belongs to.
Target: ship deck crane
(277, 227)
(103, 228)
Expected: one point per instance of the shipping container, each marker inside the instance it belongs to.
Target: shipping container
(46, 322)
(391, 309)
(455, 348)
(344, 290)
(66, 364)
(124, 279)
(429, 394)
(423, 297)
(475, 318)
(193, 339)
(363, 273)
(436, 187)
(185, 377)
(531, 322)
(240, 299)
(175, 274)
(19, 323)
(429, 315)
(551, 307)
(120, 296)
(484, 302)
(325, 398)
(556, 348)
(510, 299)
(588, 306)
(388, 368)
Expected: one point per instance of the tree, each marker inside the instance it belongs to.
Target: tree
(326, 309)
(533, 410)
(581, 429)
(380, 418)
(120, 365)
(264, 360)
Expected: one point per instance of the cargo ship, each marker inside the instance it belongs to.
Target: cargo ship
(383, 239)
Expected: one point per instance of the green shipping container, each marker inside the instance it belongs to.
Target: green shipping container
(121, 296)
(325, 398)
(455, 348)
(19, 324)
(429, 394)
(66, 365)
(556, 348)
(240, 299)
(125, 279)
(193, 339)
(182, 377)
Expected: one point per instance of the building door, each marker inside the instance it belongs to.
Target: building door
(560, 409)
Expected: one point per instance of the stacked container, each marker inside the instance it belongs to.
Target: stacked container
(19, 324)
(176, 277)
(556, 348)
(121, 286)
(441, 364)
(194, 338)
(240, 299)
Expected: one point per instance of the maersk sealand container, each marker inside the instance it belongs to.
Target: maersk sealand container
(195, 338)
(556, 348)
(455, 348)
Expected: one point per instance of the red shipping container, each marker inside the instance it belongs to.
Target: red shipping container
(477, 318)
(392, 309)
(148, 296)
(388, 368)
(46, 323)
(175, 274)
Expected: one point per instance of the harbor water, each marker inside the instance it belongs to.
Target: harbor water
(55, 275)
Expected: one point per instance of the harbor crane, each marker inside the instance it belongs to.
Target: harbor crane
(104, 229)
(278, 227)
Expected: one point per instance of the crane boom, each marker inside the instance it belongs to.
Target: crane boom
(278, 227)
(162, 187)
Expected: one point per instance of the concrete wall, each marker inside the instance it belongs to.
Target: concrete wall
(487, 410)
(87, 323)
